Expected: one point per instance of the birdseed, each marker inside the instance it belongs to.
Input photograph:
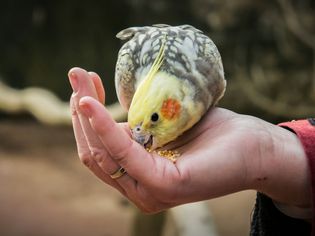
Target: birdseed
(168, 154)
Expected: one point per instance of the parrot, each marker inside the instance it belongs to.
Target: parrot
(166, 78)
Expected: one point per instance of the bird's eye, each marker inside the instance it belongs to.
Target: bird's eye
(155, 117)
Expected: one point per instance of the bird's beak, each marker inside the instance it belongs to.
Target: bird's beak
(143, 138)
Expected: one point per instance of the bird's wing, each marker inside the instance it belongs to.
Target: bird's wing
(126, 66)
(125, 78)
(209, 64)
(135, 59)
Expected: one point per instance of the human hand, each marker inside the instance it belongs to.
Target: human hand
(224, 153)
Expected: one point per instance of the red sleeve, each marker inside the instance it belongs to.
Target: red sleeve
(305, 130)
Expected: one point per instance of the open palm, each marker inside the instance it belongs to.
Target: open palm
(220, 155)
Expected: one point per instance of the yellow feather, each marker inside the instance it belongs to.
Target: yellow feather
(157, 63)
(145, 84)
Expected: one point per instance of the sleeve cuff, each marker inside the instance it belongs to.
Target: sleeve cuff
(305, 131)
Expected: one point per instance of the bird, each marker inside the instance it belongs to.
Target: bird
(166, 78)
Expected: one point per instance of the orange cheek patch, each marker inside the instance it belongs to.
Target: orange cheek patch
(170, 109)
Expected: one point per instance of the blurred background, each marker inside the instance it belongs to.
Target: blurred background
(268, 51)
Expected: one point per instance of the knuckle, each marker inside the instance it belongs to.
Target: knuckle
(86, 162)
(73, 110)
(121, 153)
(120, 157)
(85, 158)
(98, 154)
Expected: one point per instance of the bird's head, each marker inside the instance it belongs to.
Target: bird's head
(156, 112)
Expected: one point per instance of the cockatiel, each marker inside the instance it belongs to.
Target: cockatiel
(167, 77)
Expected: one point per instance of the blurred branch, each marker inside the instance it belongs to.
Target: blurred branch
(272, 106)
(294, 25)
(43, 105)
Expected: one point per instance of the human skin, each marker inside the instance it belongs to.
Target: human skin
(224, 153)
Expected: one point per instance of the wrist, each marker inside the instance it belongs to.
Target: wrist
(282, 168)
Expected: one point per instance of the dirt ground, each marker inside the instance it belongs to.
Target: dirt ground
(45, 190)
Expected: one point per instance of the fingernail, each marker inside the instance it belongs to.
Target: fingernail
(85, 109)
(74, 81)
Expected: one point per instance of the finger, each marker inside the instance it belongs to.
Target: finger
(98, 86)
(83, 85)
(84, 151)
(81, 142)
(129, 154)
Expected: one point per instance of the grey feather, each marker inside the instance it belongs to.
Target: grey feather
(189, 54)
